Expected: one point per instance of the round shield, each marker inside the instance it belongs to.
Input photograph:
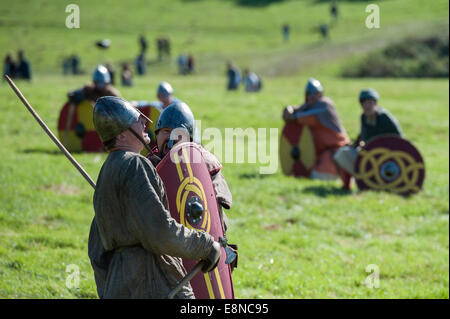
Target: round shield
(76, 128)
(391, 164)
(297, 151)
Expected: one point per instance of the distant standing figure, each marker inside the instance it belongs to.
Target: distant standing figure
(182, 63)
(143, 44)
(75, 63)
(23, 67)
(9, 66)
(252, 81)
(127, 75)
(334, 9)
(286, 31)
(324, 30)
(163, 46)
(140, 64)
(66, 66)
(234, 76)
(190, 63)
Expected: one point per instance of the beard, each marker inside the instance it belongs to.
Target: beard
(164, 149)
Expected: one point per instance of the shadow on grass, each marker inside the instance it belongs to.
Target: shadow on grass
(325, 191)
(253, 176)
(45, 151)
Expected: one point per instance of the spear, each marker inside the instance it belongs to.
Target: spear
(49, 132)
(199, 265)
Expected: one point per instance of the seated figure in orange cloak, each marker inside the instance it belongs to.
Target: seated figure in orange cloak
(319, 114)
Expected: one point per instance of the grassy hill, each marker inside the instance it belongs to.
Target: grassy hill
(212, 30)
(297, 238)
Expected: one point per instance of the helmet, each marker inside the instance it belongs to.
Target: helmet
(176, 115)
(165, 89)
(101, 76)
(313, 86)
(368, 94)
(112, 116)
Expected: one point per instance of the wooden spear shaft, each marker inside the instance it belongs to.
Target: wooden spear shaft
(49, 132)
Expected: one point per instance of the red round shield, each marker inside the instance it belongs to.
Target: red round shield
(193, 203)
(390, 163)
(297, 151)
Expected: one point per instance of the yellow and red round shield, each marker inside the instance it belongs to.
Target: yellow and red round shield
(297, 151)
(193, 203)
(390, 163)
(76, 128)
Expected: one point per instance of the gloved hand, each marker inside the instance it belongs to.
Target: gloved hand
(288, 113)
(211, 261)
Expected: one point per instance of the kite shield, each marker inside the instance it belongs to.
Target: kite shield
(193, 203)
(297, 151)
(391, 164)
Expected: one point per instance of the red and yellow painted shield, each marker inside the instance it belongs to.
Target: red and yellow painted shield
(391, 164)
(193, 203)
(152, 110)
(76, 128)
(297, 151)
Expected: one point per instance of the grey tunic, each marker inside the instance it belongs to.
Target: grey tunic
(135, 247)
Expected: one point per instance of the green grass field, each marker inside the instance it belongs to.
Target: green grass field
(297, 238)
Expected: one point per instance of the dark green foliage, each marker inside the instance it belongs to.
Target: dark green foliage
(413, 57)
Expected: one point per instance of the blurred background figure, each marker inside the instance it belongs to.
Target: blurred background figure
(75, 64)
(234, 76)
(23, 70)
(163, 46)
(286, 30)
(182, 62)
(190, 64)
(71, 65)
(126, 75)
(334, 10)
(9, 67)
(112, 71)
(66, 66)
(140, 64)
(165, 94)
(375, 121)
(324, 30)
(101, 86)
(319, 114)
(143, 44)
(252, 81)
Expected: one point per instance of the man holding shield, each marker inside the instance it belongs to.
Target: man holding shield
(320, 115)
(135, 246)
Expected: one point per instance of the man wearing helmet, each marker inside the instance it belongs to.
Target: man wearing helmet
(135, 246)
(165, 94)
(101, 86)
(179, 116)
(319, 114)
(375, 121)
